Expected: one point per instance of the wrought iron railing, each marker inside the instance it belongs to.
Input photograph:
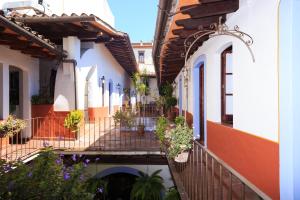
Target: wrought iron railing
(205, 176)
(97, 134)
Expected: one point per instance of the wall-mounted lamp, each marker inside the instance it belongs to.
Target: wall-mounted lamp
(103, 79)
(118, 86)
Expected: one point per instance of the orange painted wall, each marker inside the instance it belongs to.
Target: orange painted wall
(101, 112)
(49, 124)
(254, 158)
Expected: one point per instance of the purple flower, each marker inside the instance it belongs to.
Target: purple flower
(87, 161)
(97, 159)
(61, 155)
(29, 174)
(80, 155)
(100, 190)
(58, 161)
(74, 157)
(66, 176)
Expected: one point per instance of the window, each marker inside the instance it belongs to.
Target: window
(141, 57)
(226, 86)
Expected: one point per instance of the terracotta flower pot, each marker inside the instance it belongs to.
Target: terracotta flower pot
(4, 141)
(182, 157)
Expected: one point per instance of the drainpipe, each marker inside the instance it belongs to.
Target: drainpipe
(74, 62)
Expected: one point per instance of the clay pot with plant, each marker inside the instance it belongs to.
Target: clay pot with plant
(73, 120)
(180, 143)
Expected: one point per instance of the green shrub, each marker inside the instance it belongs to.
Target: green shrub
(73, 119)
(172, 194)
(11, 126)
(40, 100)
(124, 118)
(161, 127)
(180, 120)
(47, 178)
(181, 140)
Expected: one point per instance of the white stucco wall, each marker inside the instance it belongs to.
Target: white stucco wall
(100, 8)
(255, 100)
(30, 69)
(105, 65)
(94, 63)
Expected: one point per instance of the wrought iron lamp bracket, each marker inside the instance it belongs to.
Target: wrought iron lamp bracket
(215, 30)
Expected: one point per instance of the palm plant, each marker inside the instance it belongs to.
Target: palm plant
(148, 187)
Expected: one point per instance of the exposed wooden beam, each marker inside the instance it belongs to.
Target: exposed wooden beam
(210, 9)
(198, 23)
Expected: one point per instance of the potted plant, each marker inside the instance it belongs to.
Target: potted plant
(73, 119)
(161, 128)
(180, 143)
(166, 91)
(10, 128)
(124, 118)
(148, 187)
(170, 104)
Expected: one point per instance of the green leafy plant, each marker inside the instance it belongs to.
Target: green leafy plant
(161, 127)
(170, 102)
(181, 140)
(179, 121)
(11, 126)
(172, 194)
(47, 178)
(40, 100)
(73, 119)
(124, 118)
(148, 187)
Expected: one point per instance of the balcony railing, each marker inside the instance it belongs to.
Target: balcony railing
(205, 176)
(101, 134)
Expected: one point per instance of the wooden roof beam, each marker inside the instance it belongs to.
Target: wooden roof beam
(210, 9)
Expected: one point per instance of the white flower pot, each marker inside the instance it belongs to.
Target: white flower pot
(182, 158)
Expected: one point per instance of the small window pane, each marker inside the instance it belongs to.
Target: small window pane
(229, 84)
(229, 63)
(229, 105)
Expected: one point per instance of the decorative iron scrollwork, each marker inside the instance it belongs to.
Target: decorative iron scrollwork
(215, 30)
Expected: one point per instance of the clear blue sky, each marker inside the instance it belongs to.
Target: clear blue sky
(135, 17)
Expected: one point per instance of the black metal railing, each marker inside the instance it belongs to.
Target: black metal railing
(205, 176)
(97, 134)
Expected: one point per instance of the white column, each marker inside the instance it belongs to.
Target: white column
(65, 83)
(4, 90)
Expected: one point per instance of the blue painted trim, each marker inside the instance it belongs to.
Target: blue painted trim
(180, 94)
(196, 100)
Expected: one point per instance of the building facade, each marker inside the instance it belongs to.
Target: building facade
(143, 55)
(233, 91)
